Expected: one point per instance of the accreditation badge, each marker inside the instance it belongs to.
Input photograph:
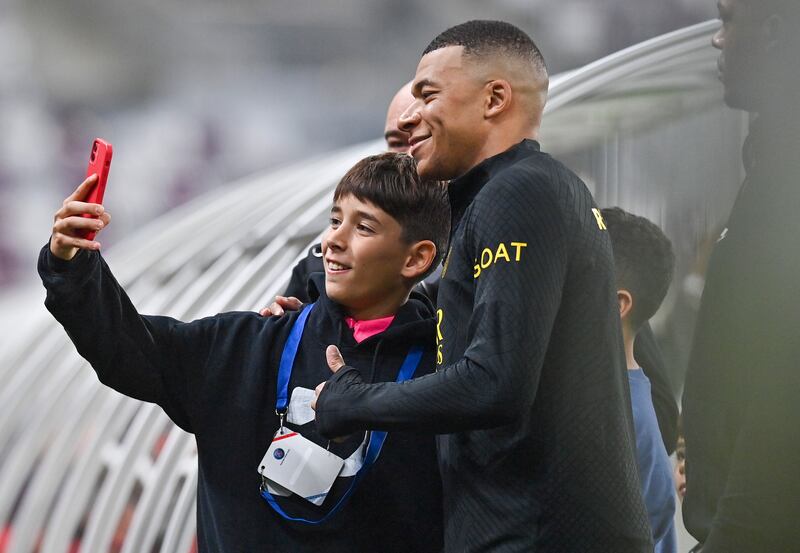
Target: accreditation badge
(298, 465)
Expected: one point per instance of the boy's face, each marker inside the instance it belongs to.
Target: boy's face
(365, 257)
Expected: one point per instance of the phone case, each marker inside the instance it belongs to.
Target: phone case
(100, 163)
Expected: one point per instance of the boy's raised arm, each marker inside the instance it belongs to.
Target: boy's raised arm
(140, 356)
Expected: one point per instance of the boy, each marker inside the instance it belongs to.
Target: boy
(644, 261)
(216, 377)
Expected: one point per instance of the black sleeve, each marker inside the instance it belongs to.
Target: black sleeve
(298, 284)
(497, 377)
(155, 359)
(648, 354)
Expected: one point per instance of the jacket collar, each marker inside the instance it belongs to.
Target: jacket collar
(464, 189)
(413, 322)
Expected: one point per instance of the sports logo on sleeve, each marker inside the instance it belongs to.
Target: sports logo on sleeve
(601, 224)
(491, 256)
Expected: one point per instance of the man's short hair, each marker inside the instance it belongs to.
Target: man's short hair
(485, 38)
(643, 260)
(391, 182)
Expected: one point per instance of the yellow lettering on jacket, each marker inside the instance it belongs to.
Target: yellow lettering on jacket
(501, 252)
(486, 258)
(601, 224)
(439, 337)
(491, 256)
(519, 246)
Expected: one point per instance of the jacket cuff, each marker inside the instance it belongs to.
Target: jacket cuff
(55, 264)
(329, 410)
(346, 375)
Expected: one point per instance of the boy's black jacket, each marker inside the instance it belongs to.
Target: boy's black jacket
(216, 378)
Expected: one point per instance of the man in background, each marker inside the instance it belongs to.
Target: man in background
(741, 406)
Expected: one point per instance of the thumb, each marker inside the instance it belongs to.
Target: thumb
(334, 358)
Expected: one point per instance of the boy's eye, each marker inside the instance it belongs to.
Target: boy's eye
(364, 228)
(334, 222)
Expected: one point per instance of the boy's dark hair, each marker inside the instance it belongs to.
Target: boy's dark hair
(643, 259)
(391, 182)
(484, 37)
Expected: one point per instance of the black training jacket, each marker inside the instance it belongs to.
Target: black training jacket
(741, 401)
(532, 386)
(216, 378)
(646, 349)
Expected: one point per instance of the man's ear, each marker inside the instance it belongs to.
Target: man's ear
(625, 303)
(420, 257)
(498, 98)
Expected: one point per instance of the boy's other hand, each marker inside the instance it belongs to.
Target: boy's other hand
(281, 305)
(69, 225)
(335, 362)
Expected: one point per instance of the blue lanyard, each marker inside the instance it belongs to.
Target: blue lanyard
(376, 438)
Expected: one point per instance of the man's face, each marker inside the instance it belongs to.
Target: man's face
(742, 58)
(396, 139)
(364, 254)
(446, 120)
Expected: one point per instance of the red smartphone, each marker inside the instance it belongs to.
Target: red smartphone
(99, 163)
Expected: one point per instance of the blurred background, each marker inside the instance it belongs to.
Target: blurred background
(195, 94)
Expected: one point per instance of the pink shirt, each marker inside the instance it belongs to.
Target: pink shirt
(364, 329)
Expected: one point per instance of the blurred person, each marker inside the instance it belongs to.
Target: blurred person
(228, 378)
(530, 389)
(644, 264)
(396, 139)
(296, 292)
(740, 404)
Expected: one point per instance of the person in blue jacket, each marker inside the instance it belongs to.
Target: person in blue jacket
(644, 263)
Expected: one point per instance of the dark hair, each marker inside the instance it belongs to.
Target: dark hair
(483, 38)
(391, 182)
(643, 260)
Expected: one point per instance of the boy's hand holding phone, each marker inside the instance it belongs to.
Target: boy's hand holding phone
(70, 225)
(82, 215)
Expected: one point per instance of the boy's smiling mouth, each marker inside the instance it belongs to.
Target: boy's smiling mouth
(335, 267)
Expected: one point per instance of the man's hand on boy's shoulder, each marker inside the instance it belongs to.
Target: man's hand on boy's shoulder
(281, 305)
(70, 226)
